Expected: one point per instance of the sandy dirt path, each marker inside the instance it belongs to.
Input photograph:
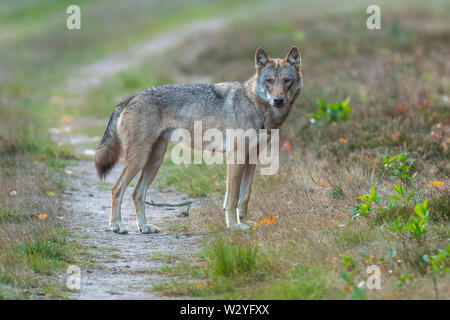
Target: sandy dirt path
(125, 266)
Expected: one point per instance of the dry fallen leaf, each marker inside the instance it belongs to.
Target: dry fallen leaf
(425, 102)
(55, 100)
(323, 182)
(402, 111)
(9, 143)
(200, 286)
(66, 118)
(287, 146)
(285, 143)
(395, 136)
(269, 220)
(438, 184)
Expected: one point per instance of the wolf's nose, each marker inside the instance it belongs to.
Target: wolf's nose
(278, 101)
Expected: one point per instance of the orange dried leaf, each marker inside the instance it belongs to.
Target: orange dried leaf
(287, 147)
(424, 103)
(55, 100)
(438, 184)
(396, 136)
(402, 111)
(42, 216)
(357, 125)
(323, 182)
(200, 286)
(269, 220)
(66, 118)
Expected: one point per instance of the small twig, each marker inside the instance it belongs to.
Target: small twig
(184, 213)
(187, 203)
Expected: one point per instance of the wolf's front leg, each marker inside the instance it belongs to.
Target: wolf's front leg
(244, 194)
(234, 175)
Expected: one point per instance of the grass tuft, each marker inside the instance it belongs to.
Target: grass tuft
(228, 259)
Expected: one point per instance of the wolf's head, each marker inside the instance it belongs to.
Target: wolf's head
(278, 81)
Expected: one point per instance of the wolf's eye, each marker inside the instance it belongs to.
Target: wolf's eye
(269, 81)
(287, 82)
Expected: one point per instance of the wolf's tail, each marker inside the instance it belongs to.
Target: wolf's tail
(109, 150)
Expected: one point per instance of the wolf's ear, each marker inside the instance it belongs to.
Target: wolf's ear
(261, 59)
(293, 57)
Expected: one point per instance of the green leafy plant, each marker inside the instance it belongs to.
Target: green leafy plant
(440, 262)
(331, 111)
(349, 275)
(416, 226)
(439, 265)
(400, 166)
(363, 209)
(405, 279)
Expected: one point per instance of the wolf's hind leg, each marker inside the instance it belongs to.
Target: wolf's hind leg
(128, 173)
(147, 176)
(244, 194)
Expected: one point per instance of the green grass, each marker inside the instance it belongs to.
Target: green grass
(222, 268)
(227, 259)
(302, 283)
(194, 179)
(44, 253)
(353, 235)
(8, 214)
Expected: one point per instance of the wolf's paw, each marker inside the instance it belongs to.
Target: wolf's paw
(149, 229)
(239, 227)
(249, 223)
(118, 228)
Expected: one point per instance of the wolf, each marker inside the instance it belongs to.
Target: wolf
(141, 125)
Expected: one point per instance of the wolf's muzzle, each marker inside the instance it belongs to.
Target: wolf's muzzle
(278, 101)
